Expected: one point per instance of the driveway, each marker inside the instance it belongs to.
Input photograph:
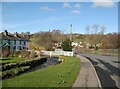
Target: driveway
(107, 68)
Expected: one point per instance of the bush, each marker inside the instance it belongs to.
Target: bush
(32, 54)
(24, 54)
(5, 52)
(14, 71)
(17, 68)
(31, 63)
(66, 45)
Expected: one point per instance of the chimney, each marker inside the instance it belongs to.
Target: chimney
(15, 34)
(23, 35)
(5, 33)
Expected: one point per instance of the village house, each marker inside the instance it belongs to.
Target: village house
(75, 44)
(13, 42)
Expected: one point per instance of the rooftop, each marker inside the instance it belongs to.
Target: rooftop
(8, 36)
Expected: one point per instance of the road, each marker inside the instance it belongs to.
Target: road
(107, 68)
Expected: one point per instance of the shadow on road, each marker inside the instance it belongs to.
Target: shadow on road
(116, 61)
(105, 78)
(112, 70)
(104, 75)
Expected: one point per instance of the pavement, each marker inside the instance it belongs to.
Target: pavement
(87, 76)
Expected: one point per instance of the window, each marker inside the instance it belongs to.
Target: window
(24, 47)
(24, 43)
(14, 42)
(20, 42)
(20, 48)
(9, 42)
(14, 48)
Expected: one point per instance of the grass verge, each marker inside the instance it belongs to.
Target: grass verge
(12, 59)
(61, 75)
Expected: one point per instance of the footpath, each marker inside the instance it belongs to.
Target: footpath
(87, 76)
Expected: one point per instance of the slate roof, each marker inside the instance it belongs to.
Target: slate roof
(12, 37)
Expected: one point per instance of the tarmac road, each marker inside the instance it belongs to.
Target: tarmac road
(107, 68)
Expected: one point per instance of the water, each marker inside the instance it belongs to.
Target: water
(50, 62)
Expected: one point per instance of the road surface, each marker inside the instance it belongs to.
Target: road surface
(107, 68)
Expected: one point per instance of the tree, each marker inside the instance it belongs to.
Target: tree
(105, 43)
(111, 41)
(57, 35)
(66, 45)
(118, 40)
(45, 40)
(95, 35)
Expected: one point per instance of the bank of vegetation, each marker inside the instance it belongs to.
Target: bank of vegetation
(61, 75)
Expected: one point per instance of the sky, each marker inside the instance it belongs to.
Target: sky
(44, 16)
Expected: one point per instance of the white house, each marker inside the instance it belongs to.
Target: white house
(13, 42)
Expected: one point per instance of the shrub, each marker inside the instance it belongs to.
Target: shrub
(14, 71)
(32, 54)
(16, 53)
(24, 53)
(5, 52)
(31, 63)
(17, 68)
(66, 45)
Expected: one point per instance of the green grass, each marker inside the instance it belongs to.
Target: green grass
(61, 75)
(12, 59)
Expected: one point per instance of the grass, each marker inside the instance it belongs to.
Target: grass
(12, 59)
(61, 75)
(111, 52)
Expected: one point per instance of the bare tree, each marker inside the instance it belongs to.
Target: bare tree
(47, 39)
(96, 35)
(88, 29)
(103, 28)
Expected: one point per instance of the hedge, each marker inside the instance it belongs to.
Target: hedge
(11, 69)
(14, 71)
(31, 63)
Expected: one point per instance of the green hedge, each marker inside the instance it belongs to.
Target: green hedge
(31, 63)
(14, 71)
(11, 69)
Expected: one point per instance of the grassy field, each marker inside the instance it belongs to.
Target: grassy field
(12, 59)
(61, 75)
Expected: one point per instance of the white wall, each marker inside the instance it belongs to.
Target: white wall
(18, 45)
(65, 53)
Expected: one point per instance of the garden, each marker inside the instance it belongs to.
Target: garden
(19, 62)
(61, 75)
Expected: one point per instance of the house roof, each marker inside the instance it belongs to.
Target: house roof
(12, 37)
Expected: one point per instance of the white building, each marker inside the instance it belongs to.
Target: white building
(13, 42)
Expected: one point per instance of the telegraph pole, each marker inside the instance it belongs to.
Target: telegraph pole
(70, 32)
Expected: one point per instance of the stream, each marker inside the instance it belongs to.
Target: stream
(50, 62)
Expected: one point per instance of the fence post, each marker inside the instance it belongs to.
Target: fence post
(50, 54)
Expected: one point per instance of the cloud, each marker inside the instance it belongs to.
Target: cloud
(102, 3)
(77, 6)
(75, 11)
(66, 5)
(47, 8)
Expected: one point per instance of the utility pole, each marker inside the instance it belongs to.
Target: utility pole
(70, 32)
